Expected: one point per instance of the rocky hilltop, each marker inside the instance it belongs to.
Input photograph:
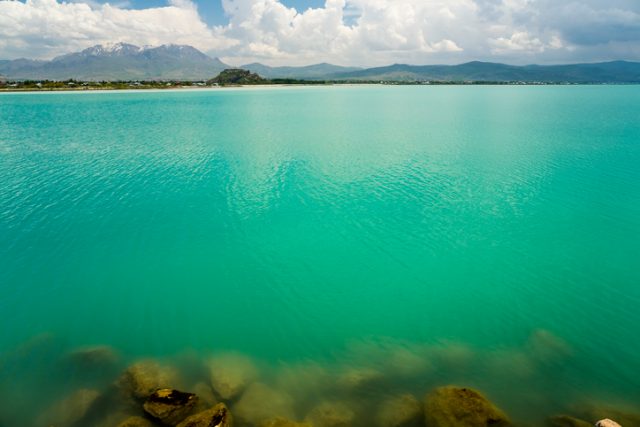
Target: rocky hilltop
(236, 76)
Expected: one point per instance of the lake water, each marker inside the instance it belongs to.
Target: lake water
(408, 237)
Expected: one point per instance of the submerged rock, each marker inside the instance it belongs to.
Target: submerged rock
(71, 409)
(218, 416)
(303, 379)
(392, 357)
(408, 362)
(115, 418)
(331, 414)
(359, 378)
(96, 357)
(136, 422)
(607, 423)
(566, 421)
(623, 415)
(141, 379)
(546, 347)
(96, 365)
(452, 357)
(261, 402)
(283, 422)
(41, 345)
(170, 406)
(511, 365)
(231, 373)
(206, 399)
(461, 407)
(401, 411)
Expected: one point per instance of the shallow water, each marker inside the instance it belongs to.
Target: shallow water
(491, 234)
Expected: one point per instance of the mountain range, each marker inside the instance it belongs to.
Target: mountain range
(120, 61)
(322, 71)
(123, 61)
(603, 72)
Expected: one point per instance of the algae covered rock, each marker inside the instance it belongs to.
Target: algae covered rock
(331, 414)
(95, 357)
(206, 399)
(359, 378)
(283, 422)
(141, 379)
(71, 409)
(261, 402)
(170, 406)
(566, 421)
(218, 416)
(514, 365)
(455, 357)
(408, 362)
(301, 379)
(401, 411)
(231, 373)
(546, 347)
(97, 364)
(461, 407)
(136, 422)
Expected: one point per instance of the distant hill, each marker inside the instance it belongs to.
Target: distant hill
(119, 61)
(123, 61)
(604, 72)
(309, 72)
(236, 76)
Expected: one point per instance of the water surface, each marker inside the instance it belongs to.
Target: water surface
(335, 225)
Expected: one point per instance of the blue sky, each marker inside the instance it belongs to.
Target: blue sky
(212, 11)
(346, 32)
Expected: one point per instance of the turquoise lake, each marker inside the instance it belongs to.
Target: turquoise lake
(485, 236)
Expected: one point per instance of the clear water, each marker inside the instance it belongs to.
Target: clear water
(337, 225)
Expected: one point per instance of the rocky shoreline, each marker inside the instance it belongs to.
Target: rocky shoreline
(232, 389)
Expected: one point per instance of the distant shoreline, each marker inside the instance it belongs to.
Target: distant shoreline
(280, 86)
(172, 89)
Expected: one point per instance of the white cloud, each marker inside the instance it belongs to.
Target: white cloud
(45, 28)
(351, 31)
(445, 46)
(519, 41)
(359, 32)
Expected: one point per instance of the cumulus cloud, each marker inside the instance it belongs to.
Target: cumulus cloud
(347, 31)
(45, 28)
(358, 32)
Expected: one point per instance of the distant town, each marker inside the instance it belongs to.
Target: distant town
(227, 78)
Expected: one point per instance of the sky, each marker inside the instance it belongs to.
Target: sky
(345, 32)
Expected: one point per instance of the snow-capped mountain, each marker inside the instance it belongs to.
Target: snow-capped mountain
(110, 49)
(120, 61)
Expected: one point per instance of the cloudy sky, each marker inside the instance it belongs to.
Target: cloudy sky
(346, 32)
